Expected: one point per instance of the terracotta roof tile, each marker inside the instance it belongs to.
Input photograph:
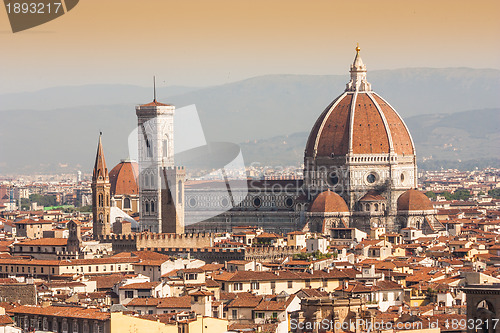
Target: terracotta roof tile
(141, 285)
(62, 311)
(45, 242)
(328, 201)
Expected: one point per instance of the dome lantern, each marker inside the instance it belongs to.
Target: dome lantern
(358, 75)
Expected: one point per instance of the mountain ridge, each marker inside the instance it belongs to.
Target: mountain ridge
(243, 111)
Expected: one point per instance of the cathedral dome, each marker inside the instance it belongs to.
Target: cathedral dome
(123, 178)
(359, 122)
(329, 202)
(413, 200)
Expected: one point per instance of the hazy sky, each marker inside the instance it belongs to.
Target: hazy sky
(207, 42)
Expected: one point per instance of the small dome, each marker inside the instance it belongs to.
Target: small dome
(414, 200)
(328, 202)
(123, 178)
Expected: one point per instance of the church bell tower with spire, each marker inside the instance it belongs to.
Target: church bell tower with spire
(100, 195)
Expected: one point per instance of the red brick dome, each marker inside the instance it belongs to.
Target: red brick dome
(123, 178)
(328, 202)
(414, 200)
(360, 121)
(376, 128)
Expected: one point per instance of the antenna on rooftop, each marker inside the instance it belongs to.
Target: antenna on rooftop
(154, 88)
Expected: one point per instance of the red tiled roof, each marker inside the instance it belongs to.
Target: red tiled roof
(5, 320)
(45, 241)
(141, 285)
(271, 306)
(245, 302)
(155, 103)
(123, 178)
(62, 311)
(372, 196)
(328, 201)
(331, 133)
(182, 302)
(30, 221)
(414, 200)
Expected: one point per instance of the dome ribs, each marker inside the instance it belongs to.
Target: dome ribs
(329, 202)
(334, 137)
(369, 134)
(123, 179)
(400, 136)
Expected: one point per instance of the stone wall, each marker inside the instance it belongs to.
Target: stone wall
(220, 255)
(137, 242)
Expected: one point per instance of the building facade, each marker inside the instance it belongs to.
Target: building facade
(360, 172)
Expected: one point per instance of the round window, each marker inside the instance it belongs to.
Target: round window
(289, 202)
(192, 202)
(225, 202)
(333, 178)
(371, 178)
(402, 177)
(257, 202)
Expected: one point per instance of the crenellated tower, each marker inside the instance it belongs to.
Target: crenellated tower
(100, 195)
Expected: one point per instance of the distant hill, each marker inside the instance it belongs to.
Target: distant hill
(267, 106)
(56, 129)
(441, 140)
(76, 96)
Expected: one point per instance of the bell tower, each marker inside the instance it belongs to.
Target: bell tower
(100, 195)
(161, 184)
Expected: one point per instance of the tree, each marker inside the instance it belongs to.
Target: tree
(461, 194)
(44, 200)
(494, 193)
(431, 195)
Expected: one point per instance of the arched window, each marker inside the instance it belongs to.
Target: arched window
(152, 180)
(152, 206)
(101, 200)
(179, 191)
(147, 206)
(149, 148)
(107, 199)
(146, 180)
(376, 207)
(126, 203)
(165, 147)
(101, 217)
